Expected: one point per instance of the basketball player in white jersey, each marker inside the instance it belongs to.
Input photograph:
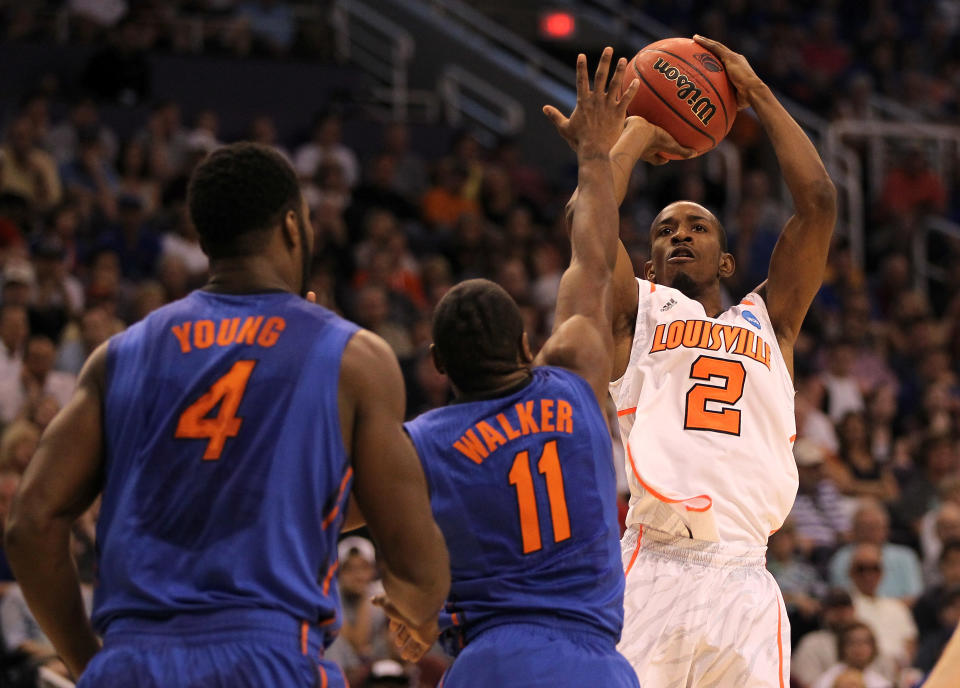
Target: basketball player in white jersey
(705, 403)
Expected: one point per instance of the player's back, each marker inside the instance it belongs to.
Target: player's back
(523, 488)
(225, 467)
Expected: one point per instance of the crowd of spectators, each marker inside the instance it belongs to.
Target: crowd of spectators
(94, 236)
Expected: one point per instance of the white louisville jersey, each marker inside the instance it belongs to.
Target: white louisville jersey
(706, 417)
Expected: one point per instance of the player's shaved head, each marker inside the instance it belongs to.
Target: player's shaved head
(478, 333)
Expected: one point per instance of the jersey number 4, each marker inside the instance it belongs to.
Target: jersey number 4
(521, 477)
(195, 423)
(725, 420)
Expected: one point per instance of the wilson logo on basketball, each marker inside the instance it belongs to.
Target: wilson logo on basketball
(709, 62)
(687, 91)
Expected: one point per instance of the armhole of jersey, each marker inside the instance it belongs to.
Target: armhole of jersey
(414, 433)
(641, 295)
(753, 299)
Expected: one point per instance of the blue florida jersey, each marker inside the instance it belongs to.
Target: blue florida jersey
(524, 490)
(226, 474)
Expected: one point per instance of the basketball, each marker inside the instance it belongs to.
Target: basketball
(684, 89)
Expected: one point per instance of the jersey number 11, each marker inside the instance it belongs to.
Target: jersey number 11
(521, 477)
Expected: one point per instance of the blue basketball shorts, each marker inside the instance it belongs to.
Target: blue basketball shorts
(531, 655)
(226, 649)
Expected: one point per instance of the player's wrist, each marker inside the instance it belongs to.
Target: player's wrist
(592, 151)
(756, 91)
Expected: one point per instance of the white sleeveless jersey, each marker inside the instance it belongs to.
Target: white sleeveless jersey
(706, 417)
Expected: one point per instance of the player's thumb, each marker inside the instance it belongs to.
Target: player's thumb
(555, 116)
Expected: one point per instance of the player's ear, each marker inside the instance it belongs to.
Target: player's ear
(291, 228)
(436, 359)
(648, 273)
(727, 265)
(526, 355)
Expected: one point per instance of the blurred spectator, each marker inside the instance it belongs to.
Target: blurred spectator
(859, 474)
(14, 330)
(818, 514)
(856, 649)
(58, 295)
(18, 442)
(90, 176)
(271, 23)
(94, 329)
(911, 187)
(409, 170)
(948, 618)
(9, 481)
(263, 130)
(842, 388)
(136, 245)
(926, 609)
(816, 651)
(26, 169)
(37, 378)
(83, 121)
(937, 459)
(940, 525)
(901, 573)
(446, 200)
(19, 281)
(362, 637)
(888, 617)
(800, 584)
(326, 146)
(135, 175)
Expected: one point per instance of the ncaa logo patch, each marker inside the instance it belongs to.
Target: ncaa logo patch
(752, 319)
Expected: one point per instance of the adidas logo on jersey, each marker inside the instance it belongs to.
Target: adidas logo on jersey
(668, 305)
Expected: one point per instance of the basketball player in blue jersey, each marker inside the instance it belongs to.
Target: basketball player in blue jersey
(520, 466)
(226, 432)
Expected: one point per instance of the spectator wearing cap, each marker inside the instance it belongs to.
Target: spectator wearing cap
(14, 330)
(818, 514)
(37, 379)
(27, 170)
(799, 582)
(902, 575)
(363, 633)
(888, 617)
(136, 245)
(19, 280)
(58, 296)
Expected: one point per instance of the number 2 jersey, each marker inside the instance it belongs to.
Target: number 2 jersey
(225, 471)
(706, 418)
(523, 488)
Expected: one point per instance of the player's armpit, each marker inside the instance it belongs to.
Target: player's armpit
(60, 483)
(353, 517)
(389, 484)
(582, 346)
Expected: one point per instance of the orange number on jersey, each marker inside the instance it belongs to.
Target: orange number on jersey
(699, 417)
(228, 392)
(521, 477)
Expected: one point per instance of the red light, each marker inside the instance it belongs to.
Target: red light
(558, 25)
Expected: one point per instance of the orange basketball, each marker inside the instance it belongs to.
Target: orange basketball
(684, 89)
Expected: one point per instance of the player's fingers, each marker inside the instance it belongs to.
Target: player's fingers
(603, 69)
(555, 116)
(613, 92)
(583, 84)
(667, 144)
(716, 47)
(629, 93)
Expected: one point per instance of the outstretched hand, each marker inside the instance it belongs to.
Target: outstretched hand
(597, 120)
(739, 71)
(412, 641)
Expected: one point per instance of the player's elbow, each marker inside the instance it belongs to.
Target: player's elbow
(26, 525)
(819, 199)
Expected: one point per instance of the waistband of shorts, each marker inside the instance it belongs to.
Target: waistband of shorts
(576, 630)
(271, 627)
(702, 552)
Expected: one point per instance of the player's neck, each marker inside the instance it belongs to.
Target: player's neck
(246, 275)
(499, 387)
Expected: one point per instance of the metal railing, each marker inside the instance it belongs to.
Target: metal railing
(924, 270)
(468, 97)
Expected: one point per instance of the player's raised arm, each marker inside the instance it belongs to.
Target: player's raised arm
(389, 484)
(800, 256)
(582, 339)
(60, 483)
